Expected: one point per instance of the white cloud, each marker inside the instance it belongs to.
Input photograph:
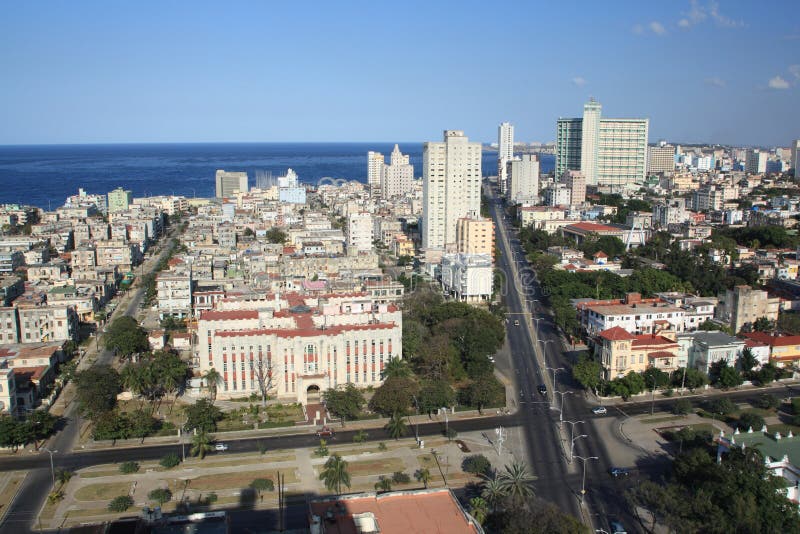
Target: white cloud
(715, 82)
(795, 70)
(684, 23)
(720, 19)
(657, 28)
(637, 29)
(579, 81)
(699, 13)
(778, 83)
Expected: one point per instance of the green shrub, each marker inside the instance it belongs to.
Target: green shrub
(120, 504)
(398, 477)
(160, 495)
(170, 460)
(767, 402)
(682, 407)
(477, 464)
(750, 419)
(129, 467)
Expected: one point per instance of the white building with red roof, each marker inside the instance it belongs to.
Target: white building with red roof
(298, 345)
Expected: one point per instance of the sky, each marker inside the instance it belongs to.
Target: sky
(723, 72)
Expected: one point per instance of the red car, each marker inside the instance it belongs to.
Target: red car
(326, 432)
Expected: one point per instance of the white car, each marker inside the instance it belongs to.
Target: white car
(220, 447)
(600, 410)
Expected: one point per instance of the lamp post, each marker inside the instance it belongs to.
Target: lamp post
(446, 428)
(583, 479)
(572, 445)
(554, 369)
(572, 433)
(561, 408)
(52, 467)
(416, 421)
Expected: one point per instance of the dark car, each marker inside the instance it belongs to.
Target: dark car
(326, 432)
(616, 527)
(542, 389)
(617, 472)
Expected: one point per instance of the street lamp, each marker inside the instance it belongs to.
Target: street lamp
(583, 479)
(52, 467)
(554, 369)
(572, 445)
(446, 429)
(571, 433)
(416, 421)
(561, 409)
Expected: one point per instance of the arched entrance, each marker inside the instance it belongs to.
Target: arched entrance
(312, 394)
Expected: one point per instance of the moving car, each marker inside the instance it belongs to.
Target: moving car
(599, 410)
(220, 447)
(617, 472)
(516, 322)
(325, 432)
(542, 389)
(616, 527)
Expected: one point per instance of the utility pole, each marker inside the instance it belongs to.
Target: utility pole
(583, 479)
(52, 467)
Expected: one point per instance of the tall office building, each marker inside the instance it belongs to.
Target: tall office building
(576, 183)
(756, 162)
(229, 182)
(795, 148)
(523, 179)
(397, 178)
(451, 173)
(505, 153)
(359, 232)
(119, 200)
(609, 152)
(375, 164)
(660, 158)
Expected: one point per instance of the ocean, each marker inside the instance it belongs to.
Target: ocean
(45, 175)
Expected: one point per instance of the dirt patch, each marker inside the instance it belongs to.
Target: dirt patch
(102, 492)
(375, 467)
(224, 481)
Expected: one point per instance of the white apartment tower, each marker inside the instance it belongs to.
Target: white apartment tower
(590, 140)
(397, 178)
(795, 147)
(660, 158)
(227, 183)
(451, 173)
(523, 179)
(375, 164)
(359, 232)
(505, 153)
(756, 162)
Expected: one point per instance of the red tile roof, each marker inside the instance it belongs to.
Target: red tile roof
(228, 315)
(649, 340)
(592, 227)
(617, 333)
(306, 332)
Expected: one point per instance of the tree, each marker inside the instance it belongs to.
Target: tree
(261, 485)
(750, 419)
(689, 377)
(201, 444)
(768, 402)
(398, 477)
(477, 464)
(160, 495)
(493, 491)
(722, 406)
(276, 236)
(396, 426)
(169, 460)
(766, 374)
(262, 369)
(517, 482)
(334, 474)
(537, 516)
(383, 484)
(64, 475)
(747, 361)
(125, 337)
(203, 416)
(478, 509)
(482, 392)
(120, 504)
(212, 379)
(423, 475)
(726, 376)
(655, 378)
(396, 368)
(345, 402)
(682, 407)
(435, 394)
(41, 424)
(588, 373)
(763, 324)
(395, 395)
(97, 389)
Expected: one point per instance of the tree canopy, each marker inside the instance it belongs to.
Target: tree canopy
(97, 389)
(126, 337)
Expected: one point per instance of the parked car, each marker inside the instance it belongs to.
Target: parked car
(516, 323)
(326, 432)
(220, 447)
(617, 472)
(599, 410)
(491, 359)
(542, 389)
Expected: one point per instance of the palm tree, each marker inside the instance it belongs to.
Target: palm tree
(423, 475)
(212, 378)
(383, 484)
(396, 427)
(201, 444)
(396, 368)
(517, 482)
(493, 492)
(478, 509)
(334, 474)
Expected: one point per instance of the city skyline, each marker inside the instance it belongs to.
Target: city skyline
(159, 73)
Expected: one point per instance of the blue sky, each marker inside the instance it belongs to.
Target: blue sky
(83, 72)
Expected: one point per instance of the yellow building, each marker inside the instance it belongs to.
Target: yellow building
(621, 352)
(475, 236)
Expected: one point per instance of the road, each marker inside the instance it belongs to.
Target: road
(34, 489)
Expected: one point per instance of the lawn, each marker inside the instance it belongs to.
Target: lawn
(102, 492)
(385, 466)
(236, 480)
